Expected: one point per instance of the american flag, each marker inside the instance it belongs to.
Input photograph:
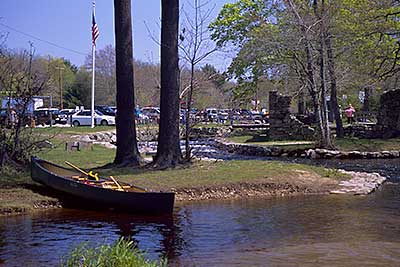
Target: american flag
(95, 29)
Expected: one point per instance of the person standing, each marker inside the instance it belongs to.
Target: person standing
(349, 111)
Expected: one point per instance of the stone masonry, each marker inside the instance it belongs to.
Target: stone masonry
(388, 124)
(283, 125)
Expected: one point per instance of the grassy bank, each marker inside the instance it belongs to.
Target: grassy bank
(71, 130)
(199, 174)
(20, 194)
(23, 195)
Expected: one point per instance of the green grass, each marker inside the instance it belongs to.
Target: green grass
(186, 176)
(195, 175)
(90, 158)
(204, 174)
(348, 144)
(121, 254)
(72, 130)
(21, 196)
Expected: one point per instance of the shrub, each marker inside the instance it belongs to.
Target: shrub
(121, 254)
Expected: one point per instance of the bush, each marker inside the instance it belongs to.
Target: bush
(16, 149)
(121, 254)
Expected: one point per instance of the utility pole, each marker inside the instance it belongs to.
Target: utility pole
(60, 85)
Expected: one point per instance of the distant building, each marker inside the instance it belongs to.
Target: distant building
(16, 103)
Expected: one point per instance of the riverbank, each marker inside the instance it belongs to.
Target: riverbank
(203, 180)
(199, 181)
(208, 181)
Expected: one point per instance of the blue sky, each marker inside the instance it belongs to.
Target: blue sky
(67, 23)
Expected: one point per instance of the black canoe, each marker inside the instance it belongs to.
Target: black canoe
(132, 199)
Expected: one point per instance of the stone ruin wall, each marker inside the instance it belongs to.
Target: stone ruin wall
(284, 125)
(388, 124)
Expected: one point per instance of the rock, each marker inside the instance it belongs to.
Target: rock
(361, 183)
(44, 144)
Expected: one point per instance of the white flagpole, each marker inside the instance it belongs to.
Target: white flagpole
(93, 73)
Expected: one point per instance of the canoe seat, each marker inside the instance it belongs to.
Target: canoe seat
(77, 177)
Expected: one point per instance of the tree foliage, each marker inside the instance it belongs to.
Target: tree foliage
(310, 44)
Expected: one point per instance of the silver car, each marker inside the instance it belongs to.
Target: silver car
(84, 117)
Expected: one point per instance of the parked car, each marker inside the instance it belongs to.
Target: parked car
(153, 113)
(46, 116)
(223, 115)
(212, 114)
(84, 117)
(106, 110)
(64, 115)
(140, 117)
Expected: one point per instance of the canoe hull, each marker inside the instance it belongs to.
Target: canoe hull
(98, 197)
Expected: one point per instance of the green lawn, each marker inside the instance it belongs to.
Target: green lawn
(16, 194)
(197, 174)
(72, 130)
(203, 174)
(348, 144)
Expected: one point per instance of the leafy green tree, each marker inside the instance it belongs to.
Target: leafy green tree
(79, 92)
(325, 46)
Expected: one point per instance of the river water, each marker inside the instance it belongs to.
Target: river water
(331, 230)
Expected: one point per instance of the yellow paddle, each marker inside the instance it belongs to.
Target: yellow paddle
(89, 174)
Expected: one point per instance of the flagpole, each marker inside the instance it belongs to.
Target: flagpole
(93, 73)
(95, 35)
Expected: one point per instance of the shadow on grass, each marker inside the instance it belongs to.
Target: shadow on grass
(257, 138)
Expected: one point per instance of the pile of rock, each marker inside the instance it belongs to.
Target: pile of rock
(150, 134)
(257, 151)
(361, 183)
(109, 137)
(284, 125)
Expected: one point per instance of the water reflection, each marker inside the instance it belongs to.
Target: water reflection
(40, 239)
(310, 231)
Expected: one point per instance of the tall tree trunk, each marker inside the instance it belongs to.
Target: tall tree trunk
(127, 149)
(333, 86)
(168, 149)
(312, 86)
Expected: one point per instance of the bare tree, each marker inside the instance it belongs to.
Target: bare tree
(20, 84)
(127, 149)
(195, 46)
